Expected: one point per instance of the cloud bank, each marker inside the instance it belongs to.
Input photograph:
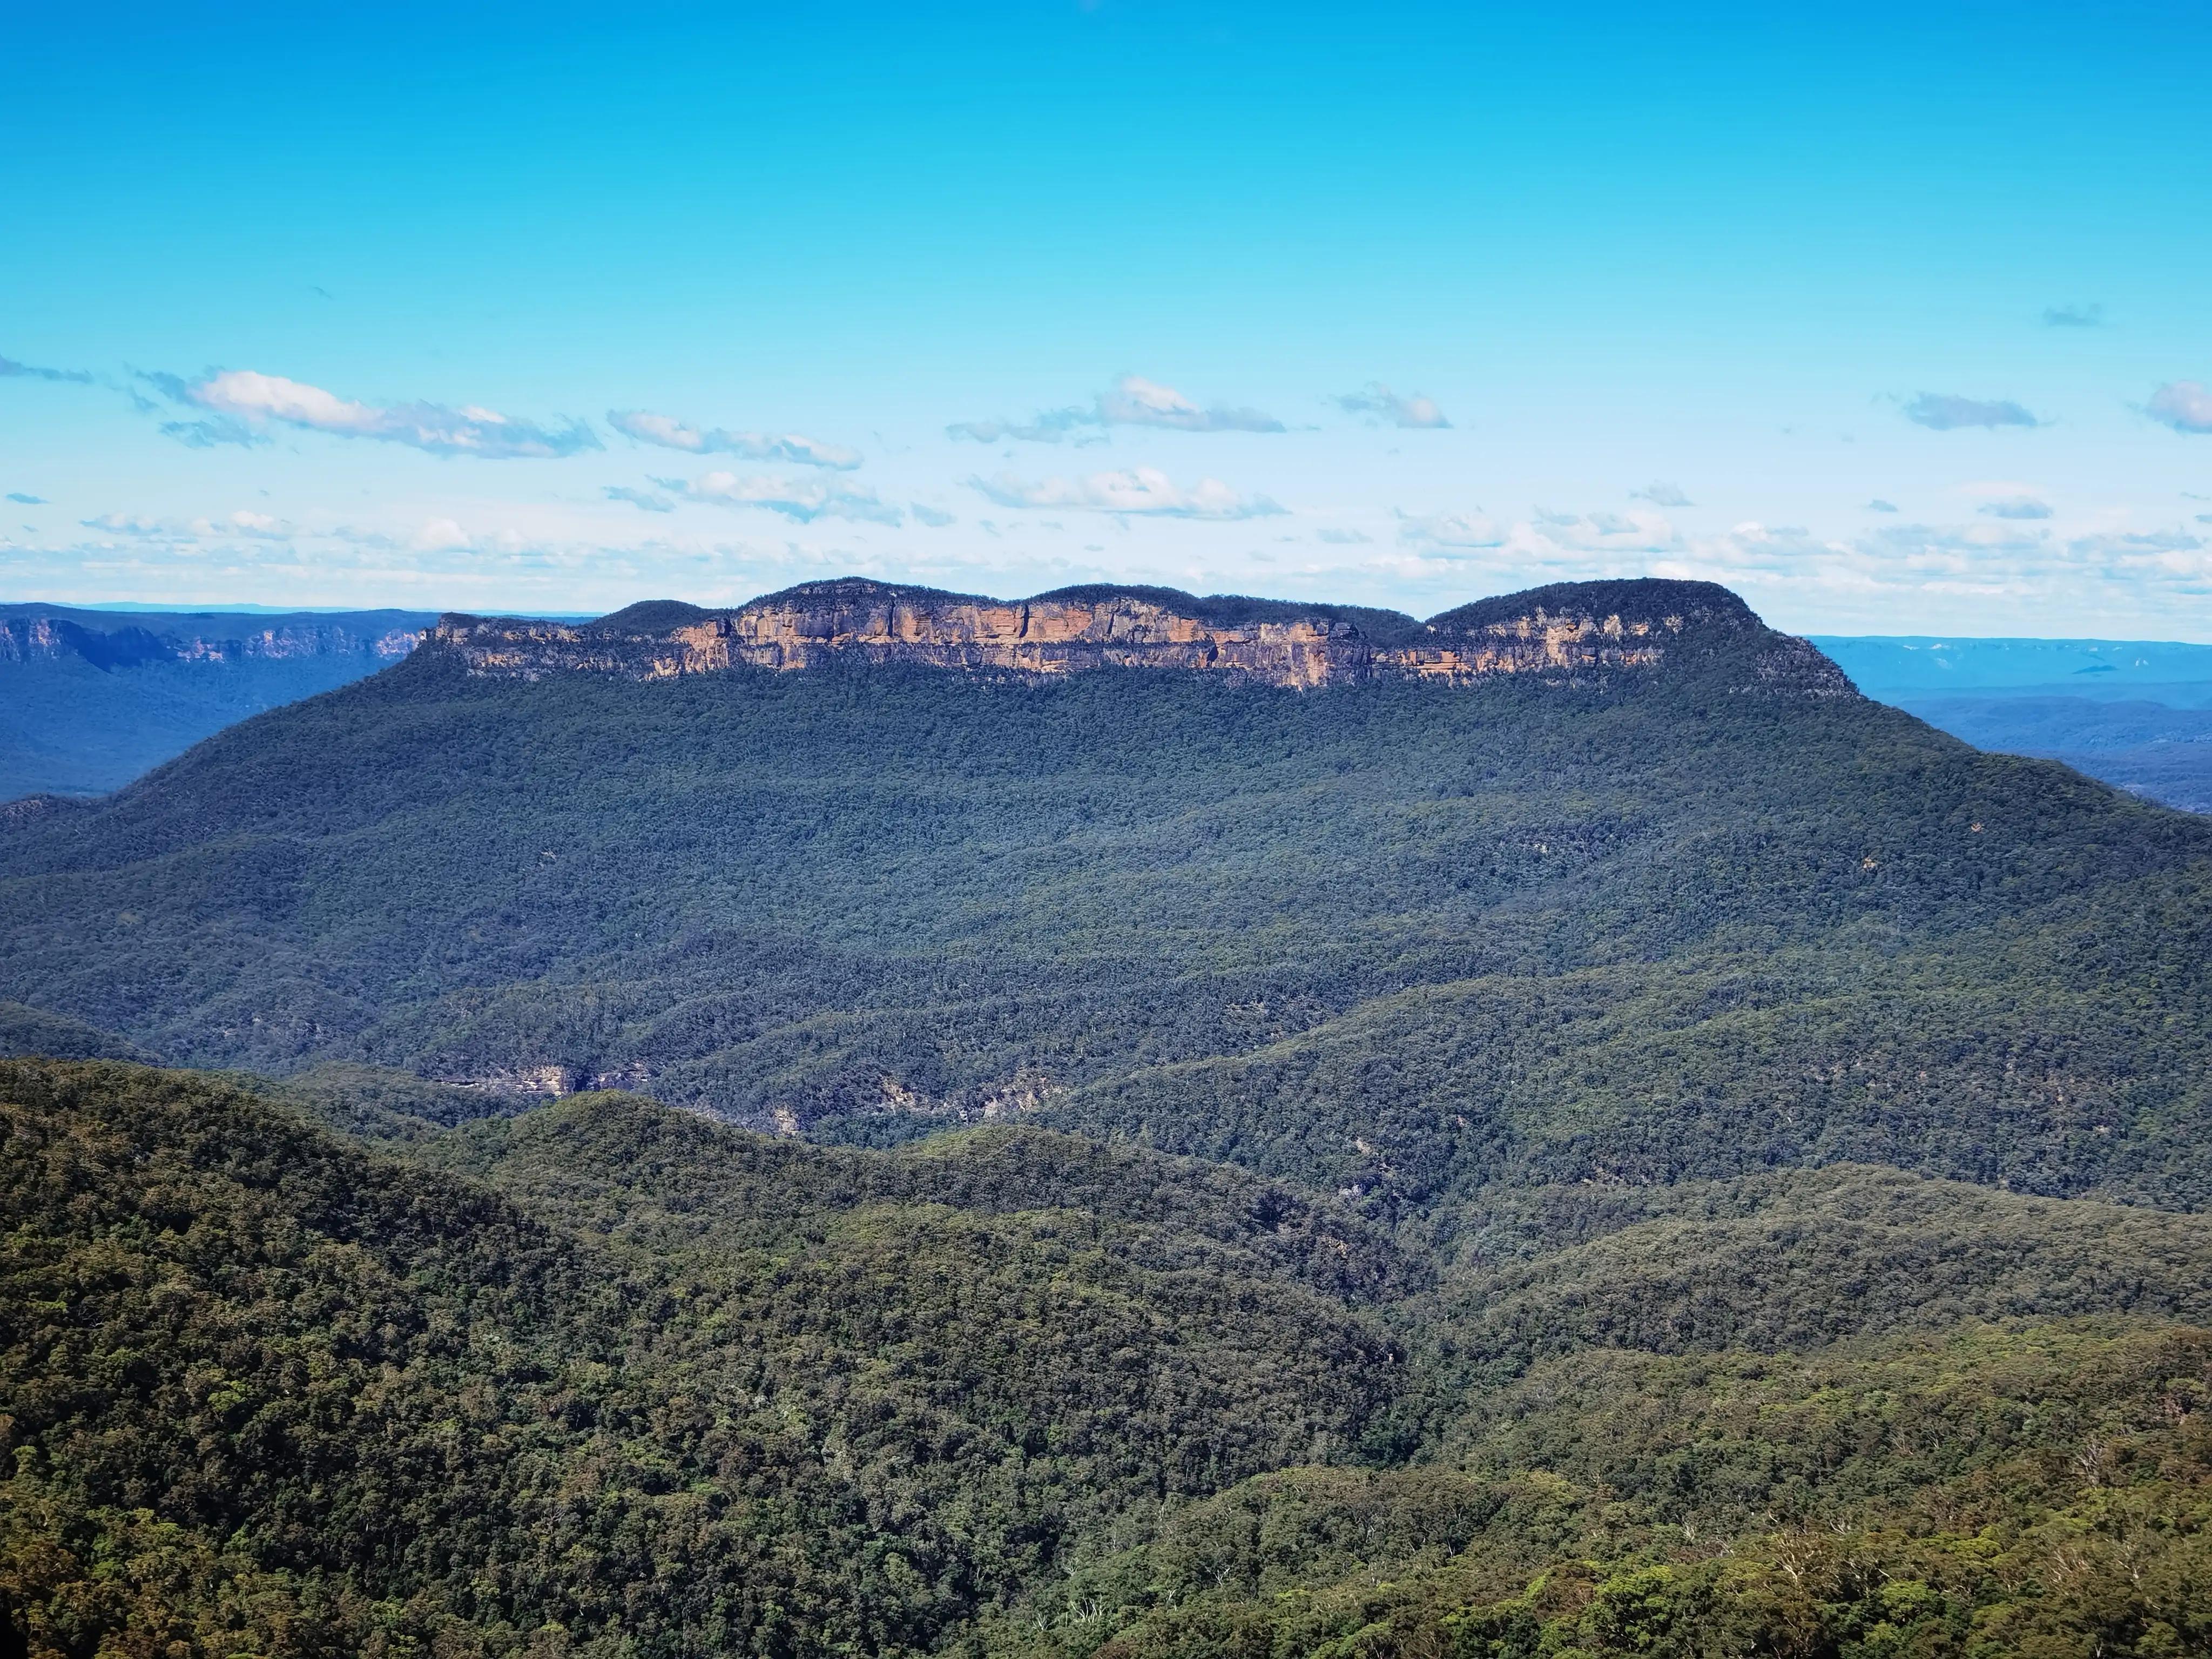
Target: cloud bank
(648, 428)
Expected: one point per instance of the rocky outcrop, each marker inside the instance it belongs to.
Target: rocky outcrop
(1576, 632)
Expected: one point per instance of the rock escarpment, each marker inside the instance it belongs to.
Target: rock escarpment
(30, 635)
(1573, 632)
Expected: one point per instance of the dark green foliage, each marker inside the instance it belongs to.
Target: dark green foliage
(29, 1031)
(1445, 1171)
(1798, 1261)
(269, 1394)
(1405, 940)
(2044, 1491)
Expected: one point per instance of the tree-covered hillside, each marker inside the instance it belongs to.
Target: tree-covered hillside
(1400, 940)
(612, 1380)
(266, 1392)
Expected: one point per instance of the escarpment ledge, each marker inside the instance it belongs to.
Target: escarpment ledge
(1573, 633)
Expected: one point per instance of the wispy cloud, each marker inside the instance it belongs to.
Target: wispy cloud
(2074, 316)
(935, 517)
(1048, 427)
(1878, 505)
(27, 501)
(1379, 403)
(1135, 401)
(12, 370)
(1944, 412)
(2015, 506)
(1342, 538)
(128, 523)
(645, 499)
(244, 523)
(1662, 494)
(241, 405)
(1451, 530)
(2185, 405)
(803, 499)
(1131, 401)
(1142, 489)
(648, 428)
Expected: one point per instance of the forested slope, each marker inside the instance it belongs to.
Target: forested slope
(266, 1392)
(1404, 939)
(607, 1380)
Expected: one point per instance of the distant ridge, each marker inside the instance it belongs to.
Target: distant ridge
(1577, 632)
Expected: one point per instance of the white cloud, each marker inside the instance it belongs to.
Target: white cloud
(2015, 506)
(1135, 401)
(803, 499)
(244, 523)
(2185, 405)
(1451, 530)
(1142, 489)
(244, 402)
(648, 428)
(130, 524)
(1604, 533)
(1049, 427)
(1132, 401)
(1378, 402)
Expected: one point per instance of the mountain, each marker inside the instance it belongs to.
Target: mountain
(91, 699)
(1606, 882)
(1148, 1127)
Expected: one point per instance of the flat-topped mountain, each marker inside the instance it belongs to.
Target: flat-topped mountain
(1612, 915)
(1529, 992)
(1571, 631)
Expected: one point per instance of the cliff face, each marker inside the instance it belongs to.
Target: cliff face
(29, 638)
(90, 699)
(1572, 632)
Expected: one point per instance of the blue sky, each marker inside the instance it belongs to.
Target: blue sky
(1896, 319)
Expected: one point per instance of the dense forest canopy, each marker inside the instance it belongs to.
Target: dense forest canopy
(1403, 937)
(1646, 1160)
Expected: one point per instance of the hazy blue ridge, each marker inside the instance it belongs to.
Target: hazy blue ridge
(2135, 713)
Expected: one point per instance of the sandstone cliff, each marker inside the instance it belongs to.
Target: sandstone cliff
(1572, 632)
